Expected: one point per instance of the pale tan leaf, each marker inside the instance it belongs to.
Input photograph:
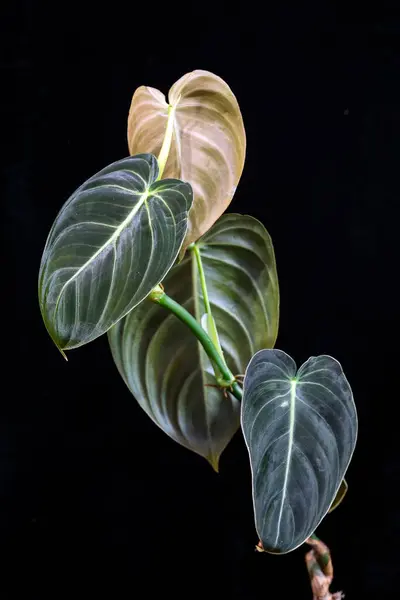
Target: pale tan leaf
(208, 144)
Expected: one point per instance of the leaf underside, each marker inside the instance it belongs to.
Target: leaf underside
(208, 145)
(112, 242)
(161, 361)
(300, 430)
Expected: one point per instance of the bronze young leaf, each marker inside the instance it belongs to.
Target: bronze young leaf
(208, 144)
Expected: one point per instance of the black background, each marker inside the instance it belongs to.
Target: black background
(94, 498)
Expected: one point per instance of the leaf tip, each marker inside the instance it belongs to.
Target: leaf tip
(214, 462)
(63, 353)
(58, 343)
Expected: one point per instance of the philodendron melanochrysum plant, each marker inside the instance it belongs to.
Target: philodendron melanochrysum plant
(189, 299)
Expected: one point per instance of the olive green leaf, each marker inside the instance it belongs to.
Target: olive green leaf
(342, 491)
(161, 361)
(114, 239)
(300, 430)
(208, 140)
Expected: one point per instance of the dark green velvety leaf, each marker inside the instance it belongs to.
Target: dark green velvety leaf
(161, 361)
(114, 239)
(300, 430)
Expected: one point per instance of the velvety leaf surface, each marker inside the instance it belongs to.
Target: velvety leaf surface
(300, 429)
(114, 239)
(161, 361)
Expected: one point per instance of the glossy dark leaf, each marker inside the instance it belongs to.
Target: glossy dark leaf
(161, 361)
(114, 239)
(300, 429)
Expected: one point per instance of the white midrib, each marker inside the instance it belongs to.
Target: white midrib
(166, 145)
(111, 240)
(289, 452)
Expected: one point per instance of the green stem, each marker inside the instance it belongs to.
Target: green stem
(195, 249)
(227, 379)
(211, 325)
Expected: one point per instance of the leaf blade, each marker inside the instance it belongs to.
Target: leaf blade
(208, 146)
(300, 430)
(100, 259)
(342, 491)
(162, 363)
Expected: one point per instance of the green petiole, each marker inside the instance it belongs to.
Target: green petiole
(208, 322)
(227, 379)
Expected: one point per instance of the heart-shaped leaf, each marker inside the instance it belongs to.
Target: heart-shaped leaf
(114, 239)
(208, 145)
(342, 491)
(161, 361)
(300, 430)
